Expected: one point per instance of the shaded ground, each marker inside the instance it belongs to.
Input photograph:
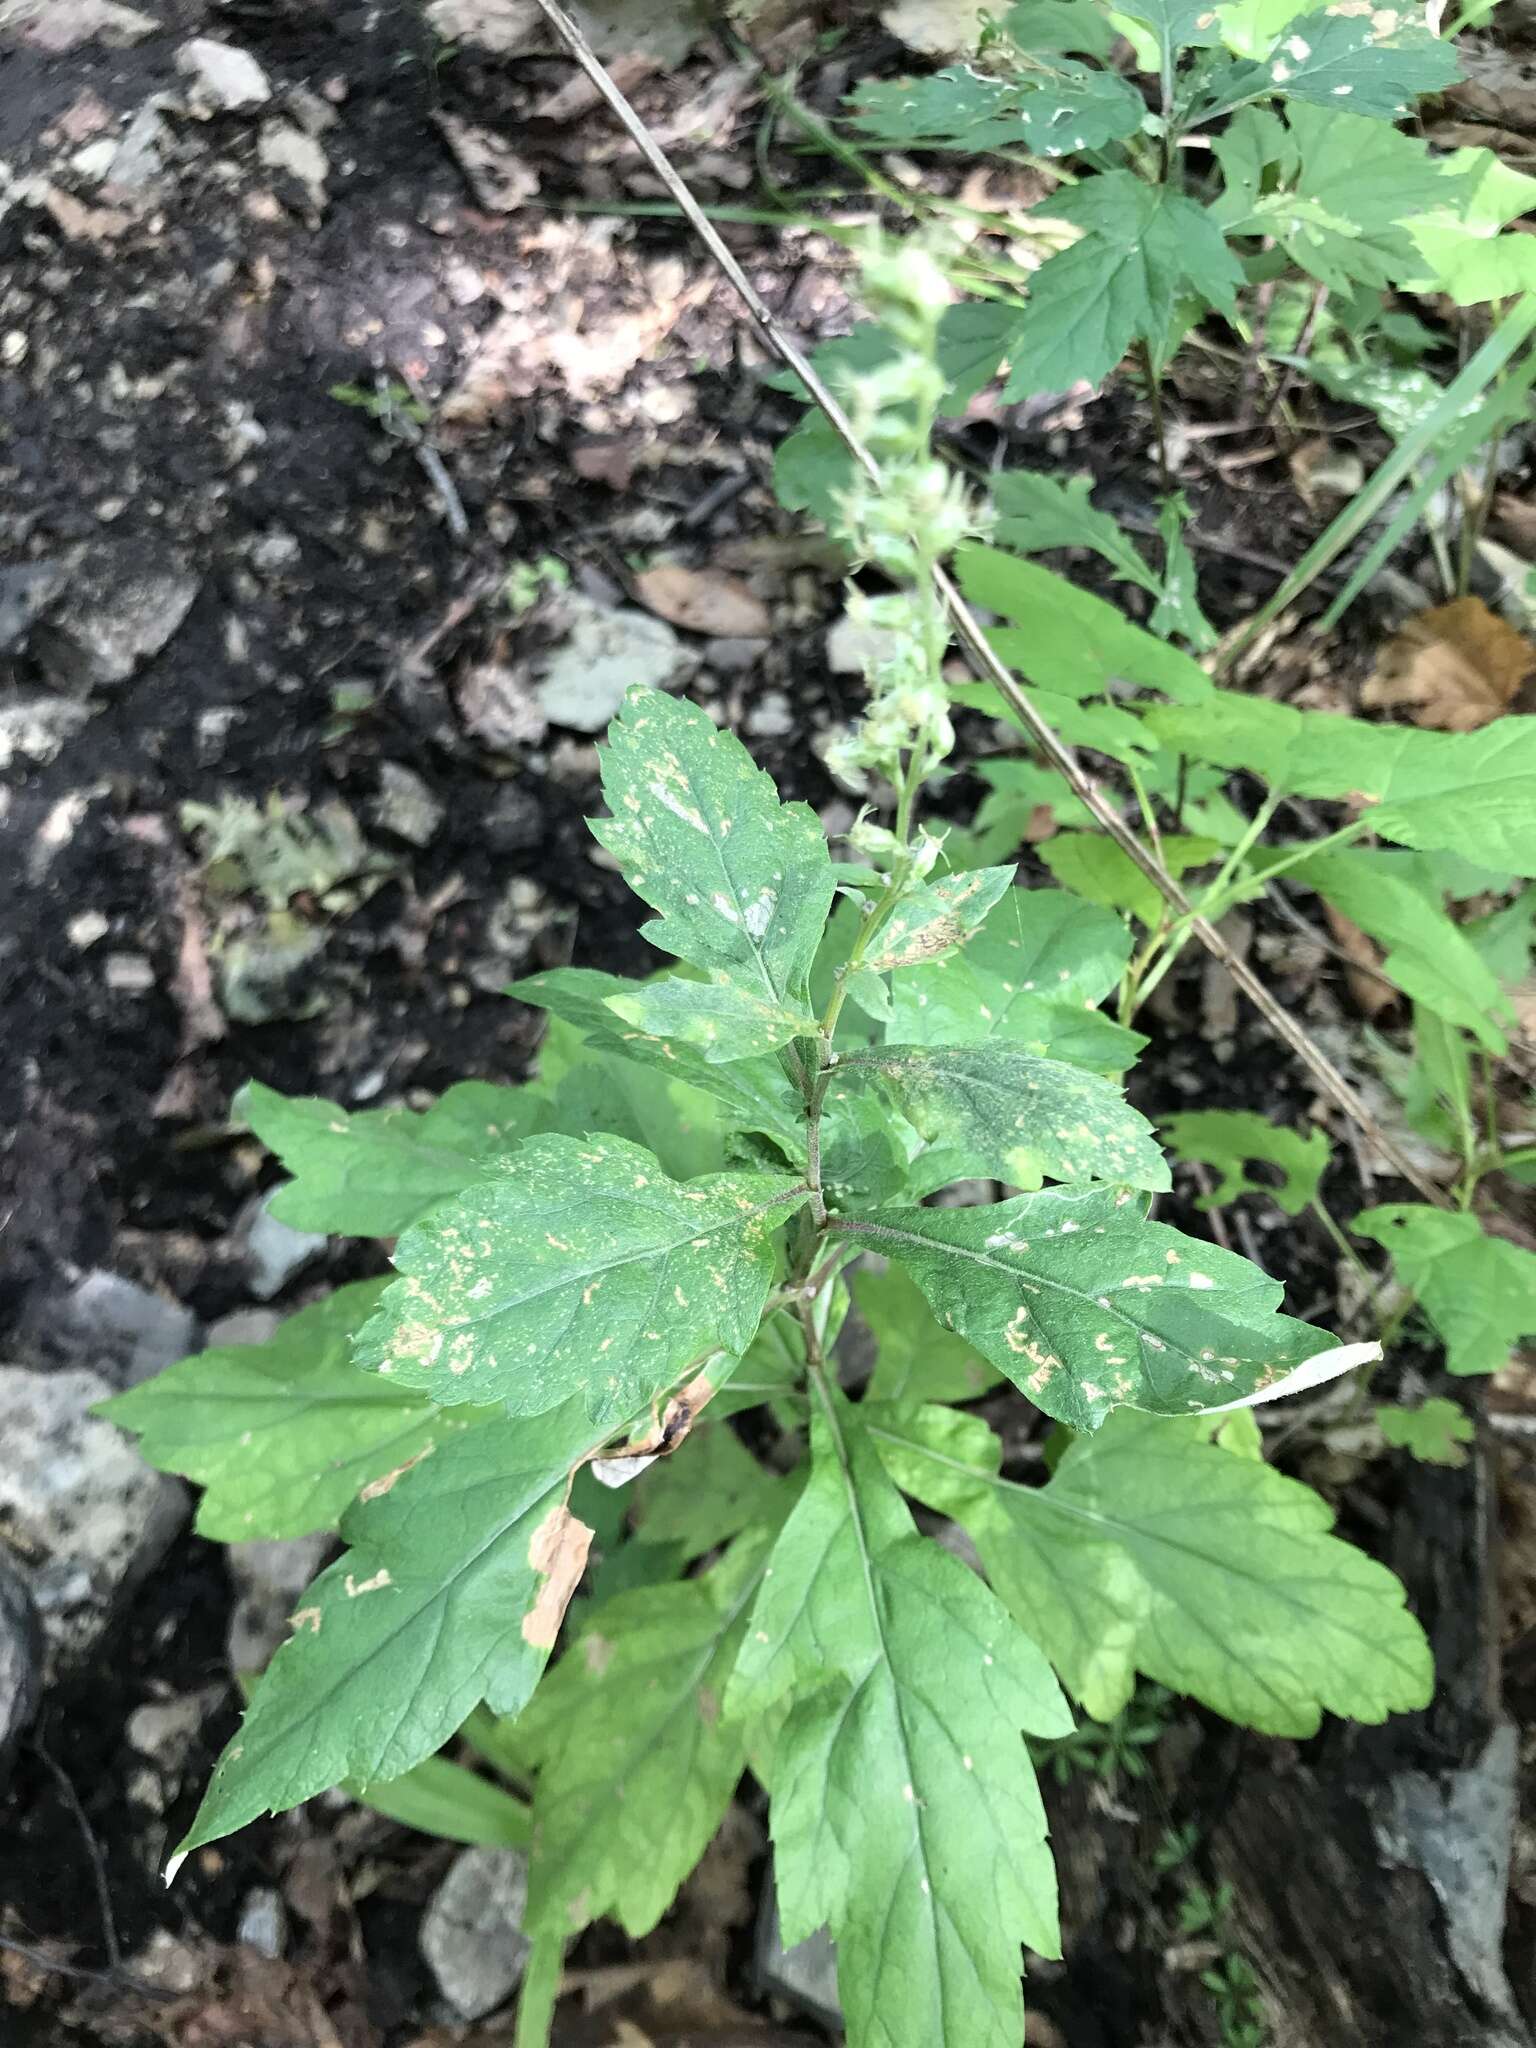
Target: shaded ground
(299, 617)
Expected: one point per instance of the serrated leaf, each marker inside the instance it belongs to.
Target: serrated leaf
(1433, 1432)
(1426, 953)
(452, 1802)
(1478, 1291)
(577, 1265)
(916, 1360)
(1401, 395)
(1073, 643)
(1251, 28)
(973, 340)
(1177, 613)
(937, 917)
(1229, 1138)
(755, 1090)
(1144, 247)
(369, 1173)
(1173, 25)
(1471, 793)
(283, 1435)
(1057, 107)
(725, 1019)
(995, 1111)
(1038, 511)
(452, 1593)
(1152, 1550)
(1032, 943)
(905, 1814)
(1087, 1306)
(743, 882)
(703, 1493)
(1332, 188)
(1096, 868)
(1331, 57)
(1458, 237)
(636, 1763)
(1049, 25)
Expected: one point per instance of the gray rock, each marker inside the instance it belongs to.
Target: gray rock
(139, 159)
(512, 821)
(165, 1734)
(123, 608)
(125, 1331)
(60, 25)
(27, 589)
(36, 728)
(243, 1326)
(223, 79)
(87, 1517)
(607, 653)
(263, 1923)
(21, 1653)
(805, 1974)
(289, 151)
(268, 1578)
(273, 1252)
(406, 807)
(733, 657)
(472, 1932)
(771, 716)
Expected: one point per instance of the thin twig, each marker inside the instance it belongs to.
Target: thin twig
(972, 638)
(93, 1851)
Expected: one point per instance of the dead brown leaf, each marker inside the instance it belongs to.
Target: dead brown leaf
(1499, 85)
(1454, 668)
(500, 179)
(704, 601)
(558, 1551)
(605, 462)
(1372, 993)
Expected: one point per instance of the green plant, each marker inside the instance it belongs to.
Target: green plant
(599, 1274)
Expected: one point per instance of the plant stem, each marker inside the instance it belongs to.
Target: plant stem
(540, 1992)
(1159, 425)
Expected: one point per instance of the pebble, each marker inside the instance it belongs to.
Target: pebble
(268, 1576)
(87, 1517)
(771, 716)
(37, 728)
(472, 1931)
(128, 974)
(273, 1252)
(406, 806)
(263, 1923)
(733, 657)
(224, 79)
(27, 589)
(853, 648)
(513, 820)
(126, 1332)
(21, 1645)
(122, 610)
(805, 1974)
(606, 654)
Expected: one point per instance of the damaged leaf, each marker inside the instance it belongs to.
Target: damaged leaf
(1454, 668)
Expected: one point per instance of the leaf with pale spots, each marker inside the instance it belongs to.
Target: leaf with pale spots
(1003, 1114)
(1350, 62)
(1087, 1306)
(754, 1090)
(1154, 1550)
(904, 1810)
(283, 1435)
(1056, 108)
(577, 1265)
(916, 1360)
(445, 1598)
(726, 1019)
(369, 1173)
(936, 918)
(636, 1765)
(743, 882)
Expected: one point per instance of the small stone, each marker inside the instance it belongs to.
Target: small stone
(129, 974)
(27, 589)
(139, 158)
(268, 1576)
(165, 1733)
(123, 609)
(273, 1251)
(263, 1923)
(513, 821)
(406, 807)
(287, 149)
(472, 1931)
(37, 728)
(224, 79)
(771, 717)
(21, 1650)
(274, 551)
(85, 1515)
(59, 25)
(122, 1329)
(805, 1974)
(498, 706)
(733, 657)
(854, 649)
(606, 654)
(243, 1326)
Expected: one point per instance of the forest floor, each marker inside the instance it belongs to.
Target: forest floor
(218, 581)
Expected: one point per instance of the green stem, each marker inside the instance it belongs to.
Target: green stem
(541, 1990)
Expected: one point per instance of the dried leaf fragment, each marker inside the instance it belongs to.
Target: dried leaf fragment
(558, 1550)
(1454, 668)
(703, 601)
(497, 176)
